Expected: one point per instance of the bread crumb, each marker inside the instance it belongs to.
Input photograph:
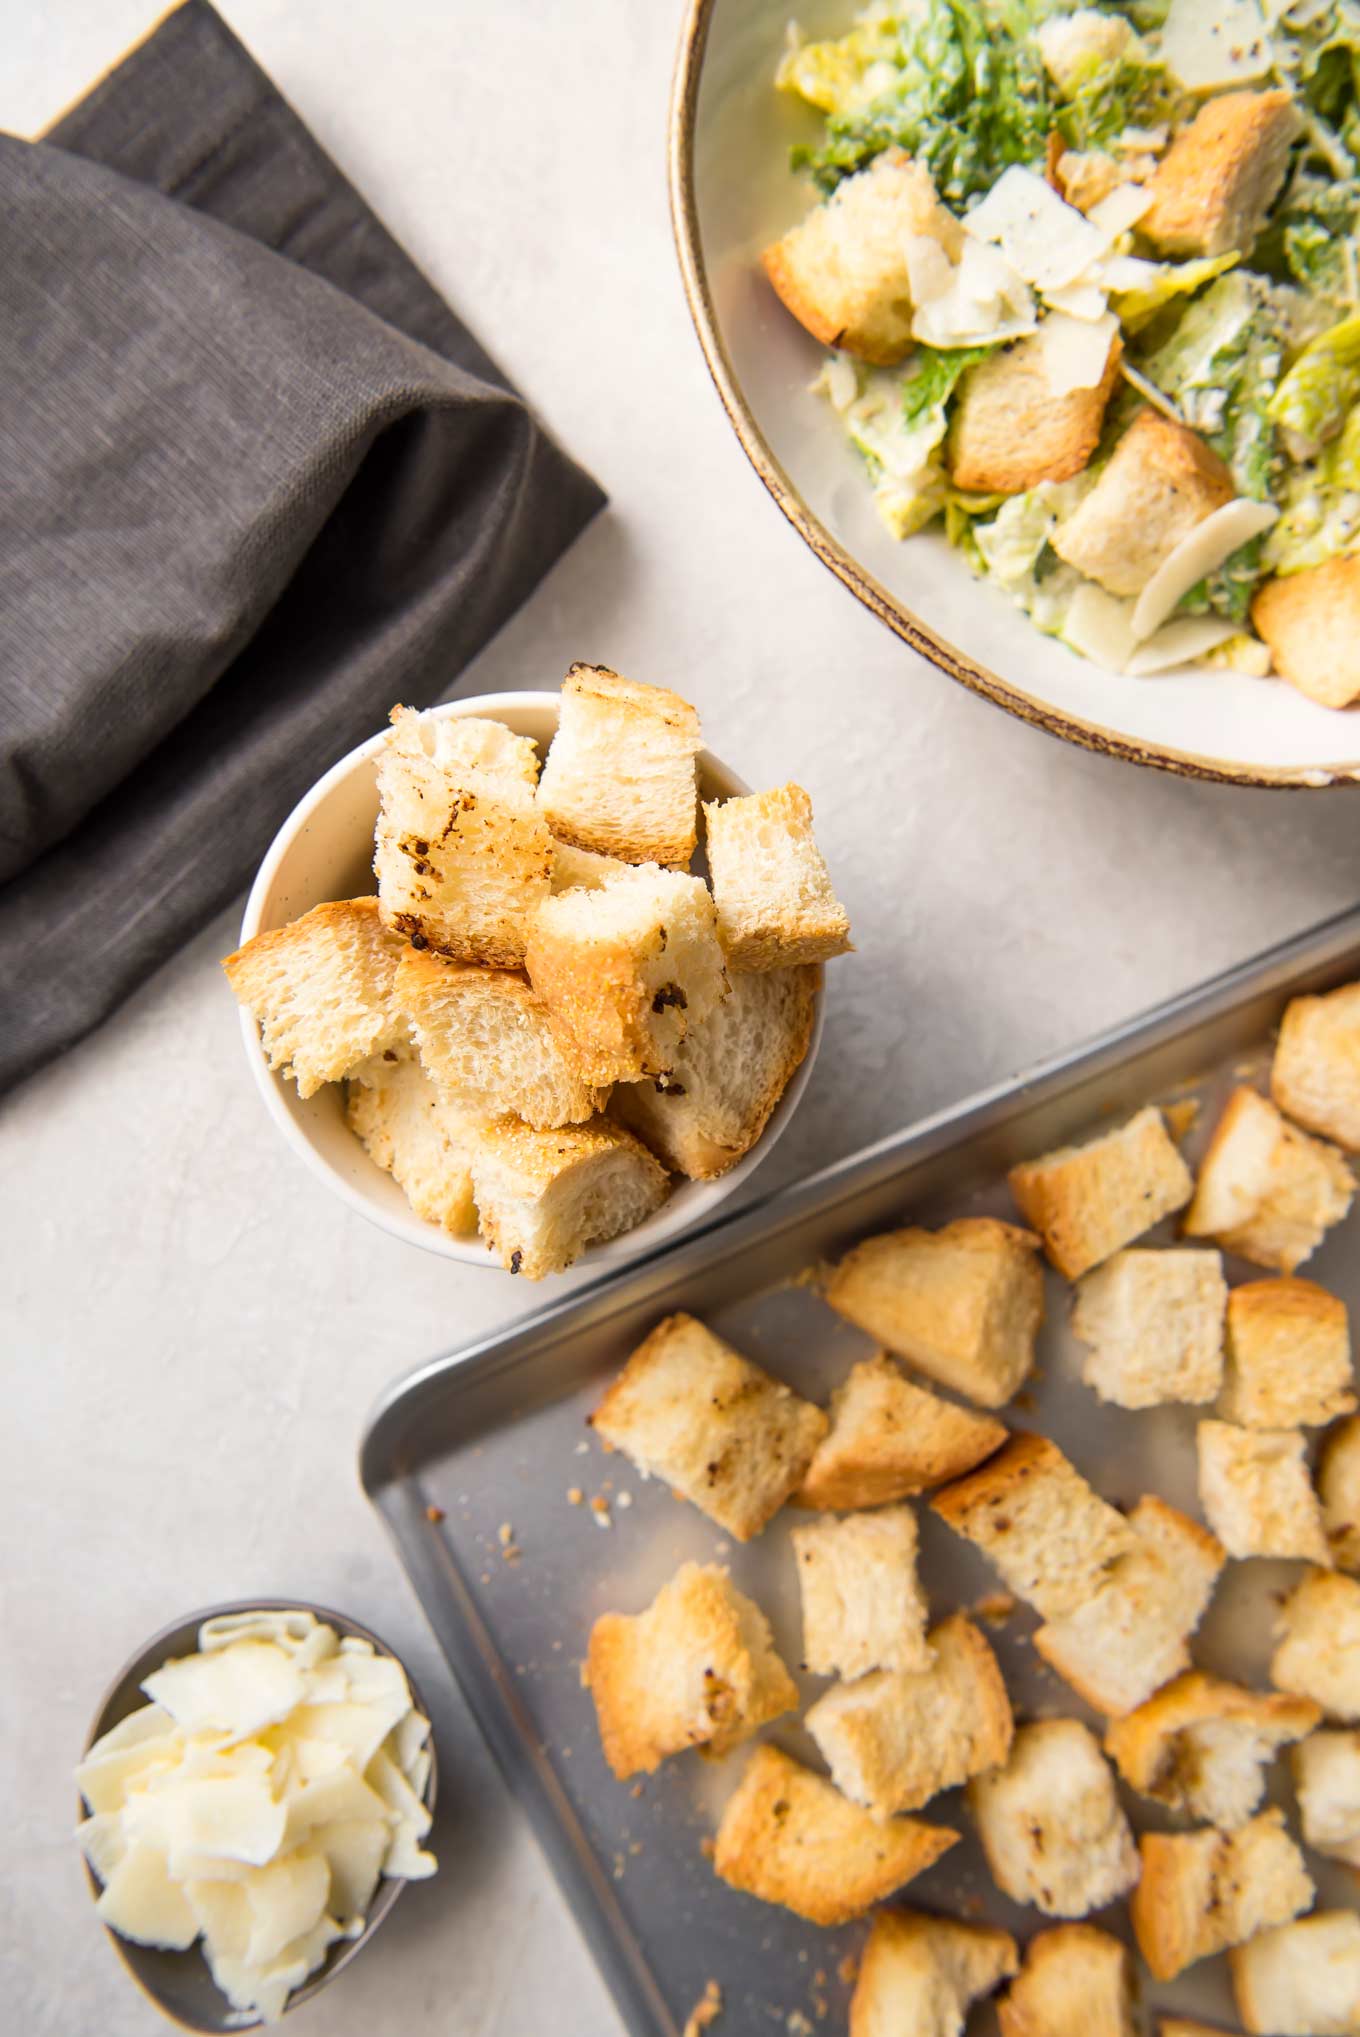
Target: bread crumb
(996, 1607)
(706, 1848)
(505, 1534)
(574, 1495)
(582, 1449)
(636, 1790)
(813, 1276)
(1180, 1117)
(797, 2024)
(599, 1507)
(623, 1499)
(848, 1970)
(435, 1514)
(705, 2011)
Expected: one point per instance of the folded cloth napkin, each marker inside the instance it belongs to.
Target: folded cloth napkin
(259, 484)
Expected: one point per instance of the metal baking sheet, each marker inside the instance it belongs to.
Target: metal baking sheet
(478, 1450)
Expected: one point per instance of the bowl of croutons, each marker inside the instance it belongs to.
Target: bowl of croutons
(487, 999)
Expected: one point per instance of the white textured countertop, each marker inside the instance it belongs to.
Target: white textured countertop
(194, 1329)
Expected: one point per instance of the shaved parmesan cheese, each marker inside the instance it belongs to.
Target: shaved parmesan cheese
(1180, 643)
(354, 1850)
(978, 299)
(1082, 299)
(112, 1768)
(102, 1841)
(1208, 43)
(141, 1902)
(1075, 351)
(1045, 240)
(235, 1691)
(1199, 552)
(235, 1818)
(286, 1901)
(1075, 46)
(1120, 209)
(1099, 625)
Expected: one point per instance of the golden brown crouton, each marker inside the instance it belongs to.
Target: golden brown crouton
(542, 1197)
(1201, 1746)
(1315, 1076)
(1154, 1322)
(842, 271)
(1076, 1982)
(889, 1439)
(1338, 1483)
(691, 1410)
(697, 1668)
(1317, 1652)
(1200, 1892)
(418, 1137)
(1256, 1492)
(1301, 1976)
(962, 1304)
(1009, 431)
(863, 1606)
(1327, 1784)
(1216, 183)
(773, 893)
(1087, 1201)
(620, 776)
(1265, 1190)
(320, 990)
(921, 1974)
(1159, 482)
(487, 1042)
(1051, 1823)
(1311, 620)
(1288, 1357)
(789, 1836)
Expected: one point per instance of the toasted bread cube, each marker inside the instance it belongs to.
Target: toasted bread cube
(320, 990)
(1265, 1190)
(1087, 1201)
(863, 1606)
(1256, 1492)
(626, 970)
(421, 1139)
(462, 852)
(962, 1304)
(576, 869)
(698, 1668)
(1327, 1784)
(1311, 621)
(691, 1410)
(1315, 1076)
(1215, 184)
(789, 1836)
(1177, 2026)
(1154, 1322)
(620, 779)
(922, 1974)
(1338, 1484)
(1288, 1356)
(1009, 432)
(1201, 1746)
(727, 1076)
(771, 886)
(1051, 1824)
(1200, 1892)
(842, 271)
(1317, 1652)
(544, 1196)
(889, 1439)
(488, 1044)
(1031, 1512)
(1159, 482)
(1301, 1980)
(1076, 1982)
(1129, 1637)
(895, 1739)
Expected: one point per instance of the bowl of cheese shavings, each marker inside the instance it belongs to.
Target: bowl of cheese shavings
(1042, 324)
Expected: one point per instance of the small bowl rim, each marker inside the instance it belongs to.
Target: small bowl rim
(673, 1219)
(340, 1954)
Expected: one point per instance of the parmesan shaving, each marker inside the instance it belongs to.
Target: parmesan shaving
(1200, 551)
(1075, 350)
(1209, 43)
(1180, 643)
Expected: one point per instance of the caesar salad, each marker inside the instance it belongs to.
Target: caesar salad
(1088, 282)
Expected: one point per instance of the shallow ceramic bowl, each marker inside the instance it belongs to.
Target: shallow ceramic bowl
(732, 192)
(324, 850)
(179, 1983)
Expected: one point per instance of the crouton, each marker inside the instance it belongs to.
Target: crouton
(1200, 1892)
(1265, 1190)
(1051, 1824)
(842, 271)
(771, 886)
(1031, 1512)
(1288, 1356)
(789, 1836)
(1159, 482)
(1154, 1322)
(1121, 1644)
(544, 1196)
(727, 1075)
(1201, 1746)
(581, 870)
(1327, 1784)
(697, 1668)
(421, 1139)
(1087, 1201)
(1315, 1076)
(962, 1304)
(626, 970)
(620, 779)
(1009, 431)
(1076, 1982)
(1338, 1484)
(1256, 1493)
(1214, 186)
(1311, 621)
(1302, 1979)
(1317, 1652)
(889, 1439)
(1177, 2026)
(895, 1739)
(462, 852)
(691, 1410)
(320, 990)
(487, 1042)
(863, 1606)
(922, 1974)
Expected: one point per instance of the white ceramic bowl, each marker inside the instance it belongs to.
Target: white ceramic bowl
(324, 850)
(732, 192)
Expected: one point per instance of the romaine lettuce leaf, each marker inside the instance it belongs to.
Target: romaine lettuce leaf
(1130, 90)
(937, 375)
(1168, 281)
(1312, 402)
(1220, 368)
(904, 455)
(1322, 507)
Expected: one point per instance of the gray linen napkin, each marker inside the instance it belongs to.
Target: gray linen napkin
(259, 484)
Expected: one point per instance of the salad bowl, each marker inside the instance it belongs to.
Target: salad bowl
(733, 193)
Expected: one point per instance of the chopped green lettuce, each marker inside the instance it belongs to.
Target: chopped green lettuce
(1015, 550)
(1168, 281)
(1129, 88)
(937, 374)
(1321, 516)
(903, 455)
(1312, 402)
(1311, 238)
(847, 75)
(1220, 367)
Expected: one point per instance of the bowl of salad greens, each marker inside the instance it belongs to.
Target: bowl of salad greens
(1041, 322)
